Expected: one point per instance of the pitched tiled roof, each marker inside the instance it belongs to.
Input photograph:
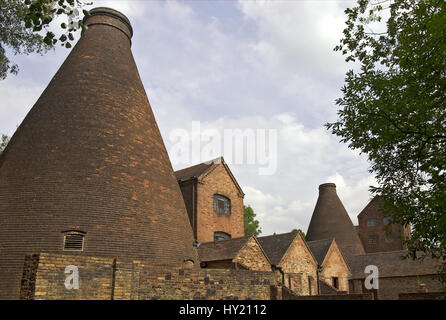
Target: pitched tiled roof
(196, 170)
(371, 202)
(391, 264)
(275, 246)
(200, 169)
(222, 249)
(319, 248)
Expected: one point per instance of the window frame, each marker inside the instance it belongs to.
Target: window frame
(227, 236)
(226, 204)
(374, 224)
(70, 233)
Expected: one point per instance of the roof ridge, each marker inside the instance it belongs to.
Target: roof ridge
(321, 240)
(380, 252)
(278, 234)
(368, 205)
(208, 162)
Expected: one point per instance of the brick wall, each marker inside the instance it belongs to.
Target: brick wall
(252, 257)
(103, 278)
(289, 295)
(95, 277)
(220, 264)
(299, 261)
(422, 295)
(390, 288)
(335, 266)
(218, 181)
(89, 157)
(325, 288)
(188, 193)
(385, 242)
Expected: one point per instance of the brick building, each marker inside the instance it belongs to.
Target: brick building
(395, 274)
(333, 269)
(375, 232)
(292, 260)
(86, 181)
(213, 199)
(237, 253)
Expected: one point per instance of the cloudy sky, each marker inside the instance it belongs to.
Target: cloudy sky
(236, 65)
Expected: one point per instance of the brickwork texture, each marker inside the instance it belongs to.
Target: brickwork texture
(218, 181)
(106, 279)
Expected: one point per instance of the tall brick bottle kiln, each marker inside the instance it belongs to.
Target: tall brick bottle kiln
(88, 163)
(330, 220)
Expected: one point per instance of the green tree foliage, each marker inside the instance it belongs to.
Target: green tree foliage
(3, 142)
(25, 27)
(393, 109)
(251, 224)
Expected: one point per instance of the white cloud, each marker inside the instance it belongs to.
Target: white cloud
(354, 195)
(274, 213)
(130, 9)
(300, 36)
(306, 158)
(16, 101)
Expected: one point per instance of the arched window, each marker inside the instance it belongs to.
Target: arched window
(220, 235)
(222, 204)
(372, 222)
(73, 241)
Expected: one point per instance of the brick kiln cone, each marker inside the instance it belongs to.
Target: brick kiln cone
(330, 220)
(89, 157)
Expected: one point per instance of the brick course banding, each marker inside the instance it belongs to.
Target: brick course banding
(89, 156)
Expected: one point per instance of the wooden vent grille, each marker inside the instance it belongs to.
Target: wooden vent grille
(74, 242)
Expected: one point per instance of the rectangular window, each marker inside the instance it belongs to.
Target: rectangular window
(372, 222)
(335, 282)
(222, 204)
(73, 242)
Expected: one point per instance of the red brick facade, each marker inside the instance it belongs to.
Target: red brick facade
(198, 194)
(218, 181)
(372, 230)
